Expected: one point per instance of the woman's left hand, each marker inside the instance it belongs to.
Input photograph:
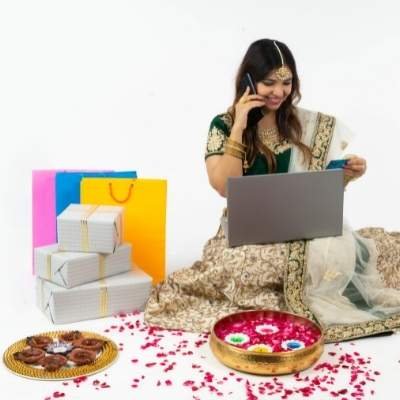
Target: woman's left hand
(355, 167)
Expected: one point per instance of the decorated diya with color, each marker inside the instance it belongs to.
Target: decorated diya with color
(266, 342)
(60, 355)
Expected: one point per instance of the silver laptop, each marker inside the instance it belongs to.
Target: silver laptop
(281, 207)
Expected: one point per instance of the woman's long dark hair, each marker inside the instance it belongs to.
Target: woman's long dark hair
(261, 59)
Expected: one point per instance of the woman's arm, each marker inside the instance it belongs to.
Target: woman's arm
(220, 168)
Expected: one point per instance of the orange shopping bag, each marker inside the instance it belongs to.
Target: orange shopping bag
(144, 201)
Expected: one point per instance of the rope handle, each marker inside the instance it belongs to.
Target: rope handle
(110, 189)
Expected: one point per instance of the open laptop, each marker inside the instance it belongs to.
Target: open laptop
(281, 207)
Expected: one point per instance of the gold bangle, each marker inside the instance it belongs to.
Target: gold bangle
(228, 146)
(234, 147)
(233, 152)
(236, 144)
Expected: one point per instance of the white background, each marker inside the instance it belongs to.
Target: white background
(128, 85)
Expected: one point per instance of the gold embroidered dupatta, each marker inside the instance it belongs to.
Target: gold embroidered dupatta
(307, 271)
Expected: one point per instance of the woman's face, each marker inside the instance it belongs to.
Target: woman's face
(274, 90)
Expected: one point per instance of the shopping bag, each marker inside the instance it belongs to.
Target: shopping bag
(43, 209)
(144, 221)
(44, 229)
(68, 185)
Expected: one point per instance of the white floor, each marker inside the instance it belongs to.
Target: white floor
(192, 371)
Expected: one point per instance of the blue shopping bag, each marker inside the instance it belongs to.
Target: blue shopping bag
(68, 185)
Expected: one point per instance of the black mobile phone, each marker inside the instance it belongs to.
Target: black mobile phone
(256, 113)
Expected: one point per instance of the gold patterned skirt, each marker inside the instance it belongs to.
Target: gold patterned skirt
(227, 280)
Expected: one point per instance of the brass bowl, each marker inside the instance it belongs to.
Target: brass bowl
(260, 363)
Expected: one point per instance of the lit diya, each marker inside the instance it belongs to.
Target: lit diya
(59, 347)
(266, 342)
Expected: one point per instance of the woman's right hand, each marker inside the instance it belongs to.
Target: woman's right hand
(246, 103)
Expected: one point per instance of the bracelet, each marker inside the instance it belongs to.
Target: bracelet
(229, 146)
(233, 152)
(236, 144)
(241, 154)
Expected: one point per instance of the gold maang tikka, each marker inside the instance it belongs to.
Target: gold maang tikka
(283, 72)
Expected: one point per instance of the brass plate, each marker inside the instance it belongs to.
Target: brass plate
(106, 357)
(275, 363)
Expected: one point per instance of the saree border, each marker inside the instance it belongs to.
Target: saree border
(295, 272)
(322, 137)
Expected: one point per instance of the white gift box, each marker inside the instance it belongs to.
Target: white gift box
(89, 228)
(120, 293)
(69, 269)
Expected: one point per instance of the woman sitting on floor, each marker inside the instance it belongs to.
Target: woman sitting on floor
(348, 283)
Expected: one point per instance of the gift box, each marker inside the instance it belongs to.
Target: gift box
(90, 228)
(120, 293)
(69, 269)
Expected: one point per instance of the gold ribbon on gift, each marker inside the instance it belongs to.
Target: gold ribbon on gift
(103, 299)
(102, 266)
(85, 229)
(48, 263)
(84, 225)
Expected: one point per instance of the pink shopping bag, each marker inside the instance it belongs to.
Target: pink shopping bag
(43, 209)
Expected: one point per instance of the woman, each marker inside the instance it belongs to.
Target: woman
(348, 283)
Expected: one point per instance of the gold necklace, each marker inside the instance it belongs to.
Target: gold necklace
(268, 134)
(270, 138)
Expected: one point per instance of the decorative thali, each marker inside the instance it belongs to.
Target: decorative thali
(60, 355)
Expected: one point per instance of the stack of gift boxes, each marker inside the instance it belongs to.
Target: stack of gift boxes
(88, 273)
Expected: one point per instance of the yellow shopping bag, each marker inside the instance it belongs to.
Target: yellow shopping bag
(144, 201)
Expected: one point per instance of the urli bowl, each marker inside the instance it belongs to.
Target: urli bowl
(266, 342)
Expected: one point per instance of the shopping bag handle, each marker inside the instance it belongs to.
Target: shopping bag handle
(110, 189)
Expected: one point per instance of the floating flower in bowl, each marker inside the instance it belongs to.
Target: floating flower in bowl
(236, 338)
(260, 348)
(266, 329)
(292, 344)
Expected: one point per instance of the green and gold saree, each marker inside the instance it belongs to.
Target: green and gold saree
(348, 284)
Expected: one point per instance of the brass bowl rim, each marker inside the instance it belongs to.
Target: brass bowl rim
(283, 354)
